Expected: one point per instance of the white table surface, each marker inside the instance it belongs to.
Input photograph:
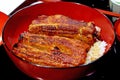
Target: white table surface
(7, 6)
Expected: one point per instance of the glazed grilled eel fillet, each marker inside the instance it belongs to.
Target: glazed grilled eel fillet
(51, 50)
(55, 40)
(61, 25)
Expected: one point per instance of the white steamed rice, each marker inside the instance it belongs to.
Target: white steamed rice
(96, 51)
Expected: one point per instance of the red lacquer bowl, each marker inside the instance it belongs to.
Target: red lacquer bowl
(19, 22)
(117, 29)
(3, 19)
